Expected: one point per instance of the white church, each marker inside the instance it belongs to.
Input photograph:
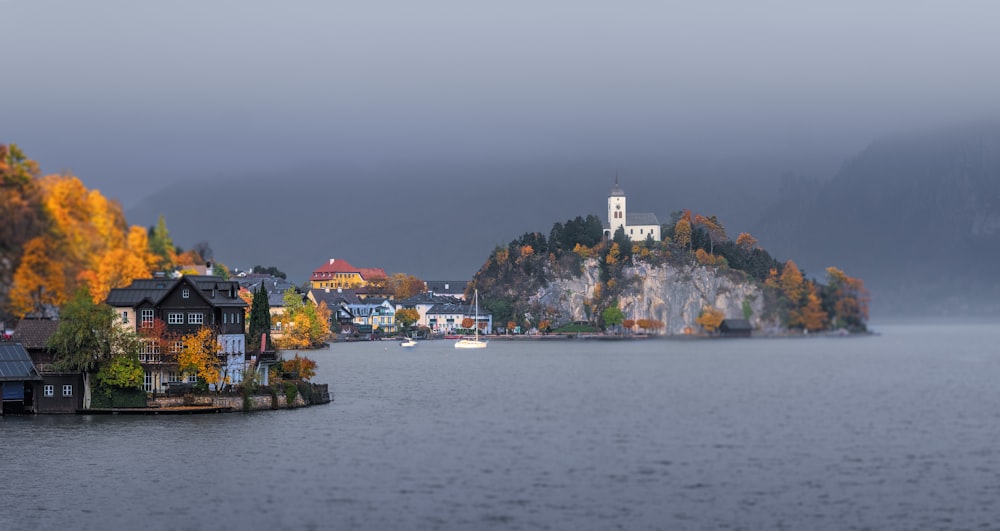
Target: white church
(638, 226)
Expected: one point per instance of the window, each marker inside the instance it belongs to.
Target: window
(49, 390)
(175, 318)
(196, 318)
(176, 347)
(237, 315)
(67, 390)
(173, 377)
(147, 381)
(225, 318)
(192, 378)
(149, 350)
(125, 317)
(147, 318)
(186, 293)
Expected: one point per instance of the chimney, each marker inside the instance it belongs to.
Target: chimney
(332, 260)
(327, 289)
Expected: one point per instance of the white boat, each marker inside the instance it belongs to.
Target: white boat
(408, 343)
(475, 342)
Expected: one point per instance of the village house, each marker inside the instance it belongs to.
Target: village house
(58, 391)
(18, 380)
(185, 304)
(367, 315)
(339, 273)
(448, 288)
(444, 314)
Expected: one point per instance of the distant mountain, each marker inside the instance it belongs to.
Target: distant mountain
(916, 216)
(440, 221)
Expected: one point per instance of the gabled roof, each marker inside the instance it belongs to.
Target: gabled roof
(335, 265)
(15, 364)
(153, 291)
(333, 297)
(34, 333)
(642, 218)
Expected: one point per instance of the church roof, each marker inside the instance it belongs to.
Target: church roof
(642, 218)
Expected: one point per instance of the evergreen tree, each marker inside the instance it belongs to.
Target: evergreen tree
(162, 245)
(260, 319)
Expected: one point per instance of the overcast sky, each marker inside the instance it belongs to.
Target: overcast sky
(131, 96)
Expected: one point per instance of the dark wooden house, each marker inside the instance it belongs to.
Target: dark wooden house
(736, 328)
(58, 391)
(18, 377)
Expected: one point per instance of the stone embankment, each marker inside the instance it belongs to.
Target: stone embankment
(319, 394)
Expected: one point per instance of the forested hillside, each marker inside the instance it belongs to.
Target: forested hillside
(917, 215)
(513, 275)
(56, 236)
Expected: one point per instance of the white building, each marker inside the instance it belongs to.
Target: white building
(638, 226)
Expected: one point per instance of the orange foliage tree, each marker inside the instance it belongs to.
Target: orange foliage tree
(810, 316)
(746, 242)
(468, 323)
(710, 319)
(40, 279)
(682, 233)
(304, 367)
(850, 308)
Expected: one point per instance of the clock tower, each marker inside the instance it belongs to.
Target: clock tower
(616, 209)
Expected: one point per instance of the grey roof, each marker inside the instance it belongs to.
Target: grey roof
(15, 364)
(446, 286)
(453, 309)
(34, 333)
(333, 298)
(154, 289)
(643, 218)
(616, 191)
(428, 298)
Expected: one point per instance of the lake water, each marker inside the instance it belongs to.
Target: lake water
(896, 431)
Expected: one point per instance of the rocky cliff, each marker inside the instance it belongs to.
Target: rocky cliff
(672, 294)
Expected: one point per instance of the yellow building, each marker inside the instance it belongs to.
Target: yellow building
(339, 273)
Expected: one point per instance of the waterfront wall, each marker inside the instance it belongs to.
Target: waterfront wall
(234, 402)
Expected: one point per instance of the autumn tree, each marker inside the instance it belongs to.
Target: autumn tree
(200, 356)
(792, 283)
(406, 317)
(682, 233)
(403, 286)
(39, 281)
(304, 327)
(301, 366)
(22, 216)
(468, 323)
(850, 300)
(810, 315)
(746, 242)
(710, 319)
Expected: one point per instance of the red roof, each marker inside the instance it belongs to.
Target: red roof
(339, 265)
(369, 273)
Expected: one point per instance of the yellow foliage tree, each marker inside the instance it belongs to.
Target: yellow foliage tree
(792, 283)
(613, 254)
(39, 280)
(710, 319)
(810, 316)
(199, 355)
(682, 233)
(704, 258)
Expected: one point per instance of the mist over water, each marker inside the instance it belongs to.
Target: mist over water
(895, 431)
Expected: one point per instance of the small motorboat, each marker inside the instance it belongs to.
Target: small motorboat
(408, 343)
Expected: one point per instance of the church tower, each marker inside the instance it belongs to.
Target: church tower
(616, 209)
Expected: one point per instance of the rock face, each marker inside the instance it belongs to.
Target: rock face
(674, 295)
